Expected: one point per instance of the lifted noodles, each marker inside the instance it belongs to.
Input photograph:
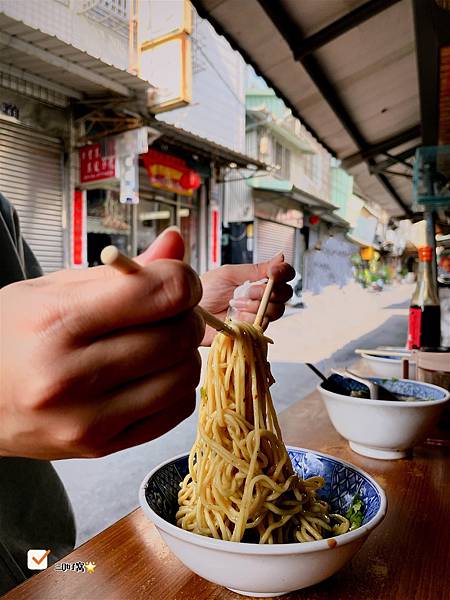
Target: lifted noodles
(241, 484)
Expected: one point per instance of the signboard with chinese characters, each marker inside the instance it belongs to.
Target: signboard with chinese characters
(170, 173)
(93, 167)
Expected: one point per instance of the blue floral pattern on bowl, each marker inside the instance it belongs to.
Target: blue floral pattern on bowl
(406, 387)
(342, 482)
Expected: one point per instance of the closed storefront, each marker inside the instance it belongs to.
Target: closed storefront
(272, 238)
(31, 178)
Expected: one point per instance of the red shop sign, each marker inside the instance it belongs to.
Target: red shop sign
(170, 173)
(93, 167)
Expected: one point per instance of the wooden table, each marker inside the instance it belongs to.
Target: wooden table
(406, 558)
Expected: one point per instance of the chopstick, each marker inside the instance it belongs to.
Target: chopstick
(264, 303)
(376, 352)
(114, 258)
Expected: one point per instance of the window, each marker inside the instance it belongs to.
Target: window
(282, 158)
(313, 167)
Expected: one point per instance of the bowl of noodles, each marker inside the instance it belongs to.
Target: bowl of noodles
(241, 509)
(262, 569)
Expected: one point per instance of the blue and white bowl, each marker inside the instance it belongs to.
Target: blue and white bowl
(386, 429)
(266, 570)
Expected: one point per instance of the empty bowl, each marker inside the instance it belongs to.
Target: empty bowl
(266, 570)
(386, 429)
(387, 366)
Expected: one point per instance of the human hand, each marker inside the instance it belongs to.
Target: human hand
(219, 286)
(94, 361)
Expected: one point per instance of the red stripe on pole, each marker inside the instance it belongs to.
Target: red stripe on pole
(215, 236)
(77, 231)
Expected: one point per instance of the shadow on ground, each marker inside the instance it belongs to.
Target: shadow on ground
(404, 304)
(295, 380)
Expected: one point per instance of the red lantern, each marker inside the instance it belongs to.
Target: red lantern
(314, 219)
(190, 180)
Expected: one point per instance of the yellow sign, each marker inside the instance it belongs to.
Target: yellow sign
(165, 52)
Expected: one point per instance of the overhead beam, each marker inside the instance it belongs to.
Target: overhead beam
(61, 63)
(391, 189)
(427, 50)
(432, 28)
(385, 145)
(392, 160)
(293, 36)
(340, 26)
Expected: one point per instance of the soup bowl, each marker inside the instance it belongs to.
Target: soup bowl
(266, 570)
(386, 429)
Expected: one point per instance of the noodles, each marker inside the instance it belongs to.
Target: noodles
(241, 481)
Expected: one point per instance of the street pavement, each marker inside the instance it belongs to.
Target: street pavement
(325, 332)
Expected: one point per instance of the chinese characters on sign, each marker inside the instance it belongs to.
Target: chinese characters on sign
(93, 167)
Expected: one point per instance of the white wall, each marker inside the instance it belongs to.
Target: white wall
(217, 111)
(60, 18)
(302, 174)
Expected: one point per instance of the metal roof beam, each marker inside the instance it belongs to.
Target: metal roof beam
(220, 30)
(293, 35)
(390, 188)
(61, 63)
(427, 50)
(392, 160)
(340, 26)
(392, 142)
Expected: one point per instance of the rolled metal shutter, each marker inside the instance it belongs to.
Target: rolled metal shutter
(31, 178)
(272, 238)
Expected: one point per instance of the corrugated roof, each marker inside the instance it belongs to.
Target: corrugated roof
(206, 146)
(32, 51)
(371, 66)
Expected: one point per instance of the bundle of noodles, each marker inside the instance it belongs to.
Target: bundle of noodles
(241, 481)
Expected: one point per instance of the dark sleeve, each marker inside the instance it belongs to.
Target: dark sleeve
(17, 261)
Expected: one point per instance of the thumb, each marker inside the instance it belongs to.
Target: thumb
(238, 274)
(264, 269)
(169, 244)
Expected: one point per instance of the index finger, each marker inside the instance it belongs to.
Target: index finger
(92, 307)
(282, 272)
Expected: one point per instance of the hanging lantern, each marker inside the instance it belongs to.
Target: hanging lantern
(190, 180)
(314, 219)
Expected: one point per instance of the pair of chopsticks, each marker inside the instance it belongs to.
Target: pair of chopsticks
(113, 257)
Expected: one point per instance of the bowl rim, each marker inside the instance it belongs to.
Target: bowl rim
(388, 359)
(394, 403)
(265, 549)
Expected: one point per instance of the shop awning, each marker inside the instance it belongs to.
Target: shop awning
(349, 71)
(270, 184)
(205, 147)
(283, 188)
(30, 54)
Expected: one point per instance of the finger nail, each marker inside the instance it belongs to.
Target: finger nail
(168, 229)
